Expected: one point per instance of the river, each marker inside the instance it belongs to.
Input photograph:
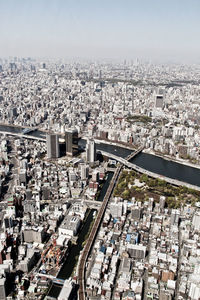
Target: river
(149, 162)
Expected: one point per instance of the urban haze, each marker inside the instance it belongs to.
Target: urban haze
(100, 150)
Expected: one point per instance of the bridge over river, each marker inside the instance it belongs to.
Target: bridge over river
(135, 167)
(172, 172)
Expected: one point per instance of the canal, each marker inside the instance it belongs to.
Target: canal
(72, 258)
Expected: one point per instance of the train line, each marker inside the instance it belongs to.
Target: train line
(93, 233)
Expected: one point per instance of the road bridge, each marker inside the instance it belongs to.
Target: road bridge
(26, 136)
(134, 153)
(93, 233)
(117, 158)
(149, 173)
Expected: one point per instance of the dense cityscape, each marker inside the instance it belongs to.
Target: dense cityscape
(80, 217)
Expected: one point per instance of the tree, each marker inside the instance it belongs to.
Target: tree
(144, 178)
(126, 194)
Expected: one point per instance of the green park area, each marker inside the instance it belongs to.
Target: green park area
(133, 184)
(138, 118)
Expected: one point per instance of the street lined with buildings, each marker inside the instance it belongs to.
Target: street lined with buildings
(64, 128)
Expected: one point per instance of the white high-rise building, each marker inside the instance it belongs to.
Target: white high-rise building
(84, 171)
(91, 151)
(196, 221)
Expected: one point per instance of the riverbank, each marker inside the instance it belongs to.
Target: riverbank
(169, 158)
(155, 163)
(113, 143)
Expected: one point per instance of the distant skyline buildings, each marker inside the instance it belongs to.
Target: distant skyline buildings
(151, 30)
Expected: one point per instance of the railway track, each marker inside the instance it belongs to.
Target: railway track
(93, 233)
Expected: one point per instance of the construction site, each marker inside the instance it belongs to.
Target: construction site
(52, 258)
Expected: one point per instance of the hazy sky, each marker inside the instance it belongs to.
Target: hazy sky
(163, 29)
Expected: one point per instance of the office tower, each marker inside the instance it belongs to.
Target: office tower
(196, 221)
(84, 171)
(71, 139)
(53, 150)
(175, 215)
(159, 99)
(95, 176)
(91, 151)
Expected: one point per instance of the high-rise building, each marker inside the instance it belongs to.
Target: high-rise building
(159, 99)
(95, 176)
(196, 221)
(71, 139)
(53, 150)
(84, 170)
(175, 215)
(91, 151)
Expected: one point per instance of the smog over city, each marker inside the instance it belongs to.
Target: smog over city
(99, 150)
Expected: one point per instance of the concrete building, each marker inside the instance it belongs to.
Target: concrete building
(84, 171)
(66, 292)
(91, 151)
(71, 139)
(196, 221)
(116, 209)
(137, 251)
(53, 146)
(34, 235)
(69, 226)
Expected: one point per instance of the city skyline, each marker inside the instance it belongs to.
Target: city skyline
(153, 30)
